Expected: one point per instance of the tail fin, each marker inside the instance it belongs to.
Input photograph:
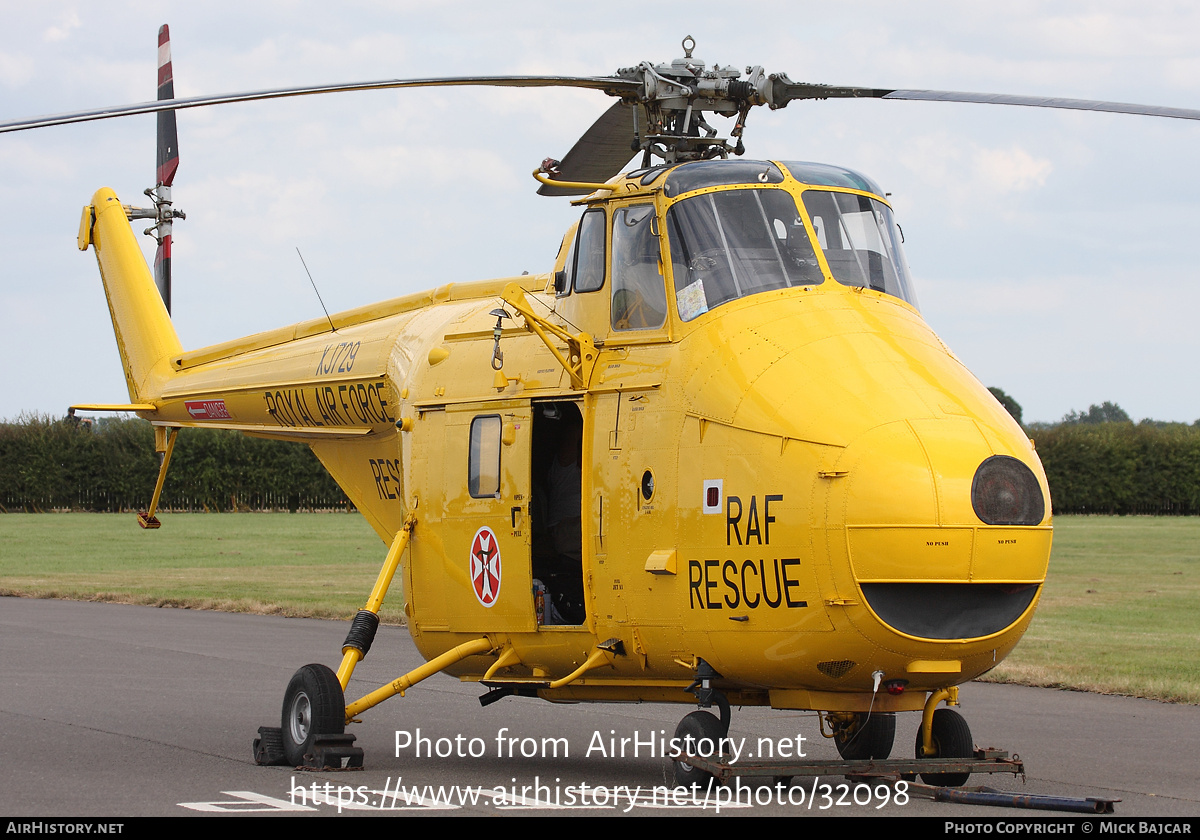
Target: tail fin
(145, 336)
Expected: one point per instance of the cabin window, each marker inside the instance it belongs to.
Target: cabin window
(859, 238)
(586, 266)
(483, 468)
(639, 298)
(733, 243)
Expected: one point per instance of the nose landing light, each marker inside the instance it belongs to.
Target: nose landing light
(1006, 492)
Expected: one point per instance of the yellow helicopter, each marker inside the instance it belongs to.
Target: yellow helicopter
(713, 457)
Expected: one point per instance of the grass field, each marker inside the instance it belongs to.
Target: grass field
(1120, 612)
(302, 564)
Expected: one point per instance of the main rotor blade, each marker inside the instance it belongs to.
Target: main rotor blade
(602, 151)
(1047, 102)
(788, 91)
(611, 86)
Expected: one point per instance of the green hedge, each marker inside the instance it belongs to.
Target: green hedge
(1122, 468)
(111, 465)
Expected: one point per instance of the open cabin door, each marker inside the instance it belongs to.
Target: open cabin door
(557, 514)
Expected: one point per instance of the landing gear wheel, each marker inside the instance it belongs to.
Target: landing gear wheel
(722, 703)
(699, 726)
(313, 705)
(951, 739)
(866, 737)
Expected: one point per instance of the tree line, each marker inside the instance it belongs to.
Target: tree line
(110, 465)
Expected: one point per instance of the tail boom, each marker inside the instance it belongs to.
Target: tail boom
(145, 335)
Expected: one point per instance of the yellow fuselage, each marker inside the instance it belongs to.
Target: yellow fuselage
(780, 486)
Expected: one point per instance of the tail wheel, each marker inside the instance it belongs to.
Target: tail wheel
(866, 737)
(698, 726)
(313, 705)
(951, 739)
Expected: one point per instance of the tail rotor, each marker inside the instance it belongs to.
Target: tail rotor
(163, 213)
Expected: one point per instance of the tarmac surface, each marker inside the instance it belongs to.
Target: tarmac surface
(110, 710)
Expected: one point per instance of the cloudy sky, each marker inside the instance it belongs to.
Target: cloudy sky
(1056, 253)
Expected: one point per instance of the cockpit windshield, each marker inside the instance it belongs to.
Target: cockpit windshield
(729, 244)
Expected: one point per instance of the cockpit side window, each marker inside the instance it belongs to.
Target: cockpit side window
(587, 266)
(639, 298)
(858, 237)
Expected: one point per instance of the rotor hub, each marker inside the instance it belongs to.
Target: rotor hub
(677, 96)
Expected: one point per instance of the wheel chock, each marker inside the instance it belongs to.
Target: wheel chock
(268, 747)
(329, 752)
(333, 752)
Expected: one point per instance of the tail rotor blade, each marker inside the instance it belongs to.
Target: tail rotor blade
(168, 134)
(168, 163)
(162, 270)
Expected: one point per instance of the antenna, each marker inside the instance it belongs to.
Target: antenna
(332, 328)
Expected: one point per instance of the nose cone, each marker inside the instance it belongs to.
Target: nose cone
(925, 561)
(896, 431)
